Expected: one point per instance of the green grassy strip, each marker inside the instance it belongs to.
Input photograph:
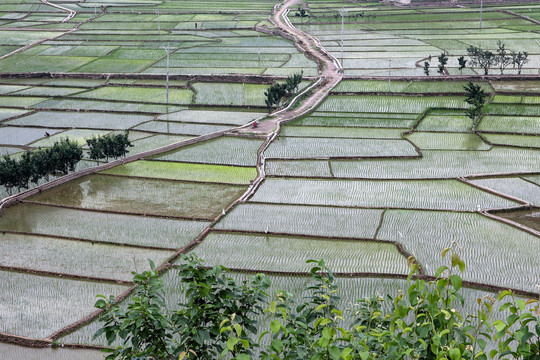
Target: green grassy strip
(186, 172)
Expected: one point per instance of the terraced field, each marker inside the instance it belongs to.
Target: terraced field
(386, 166)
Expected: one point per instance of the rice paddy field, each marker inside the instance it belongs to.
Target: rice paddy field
(388, 166)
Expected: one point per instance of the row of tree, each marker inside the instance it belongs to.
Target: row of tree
(59, 159)
(277, 91)
(485, 59)
(111, 145)
(501, 58)
(32, 166)
(217, 320)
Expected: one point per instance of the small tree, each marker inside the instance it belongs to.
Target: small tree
(443, 59)
(476, 97)
(519, 59)
(111, 145)
(426, 68)
(302, 13)
(462, 63)
(277, 91)
(503, 59)
(196, 330)
(8, 172)
(481, 58)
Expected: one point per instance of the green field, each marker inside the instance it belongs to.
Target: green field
(384, 166)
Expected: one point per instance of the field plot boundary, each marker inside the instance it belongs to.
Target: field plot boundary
(491, 213)
(322, 237)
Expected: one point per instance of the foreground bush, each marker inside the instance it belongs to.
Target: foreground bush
(217, 320)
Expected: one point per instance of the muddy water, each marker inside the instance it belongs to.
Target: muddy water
(529, 218)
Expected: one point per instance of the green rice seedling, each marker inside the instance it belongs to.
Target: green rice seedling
(75, 257)
(369, 86)
(37, 306)
(181, 128)
(448, 141)
(341, 132)
(143, 196)
(126, 107)
(8, 150)
(20, 102)
(154, 142)
(20, 352)
(290, 253)
(412, 194)
(308, 220)
(532, 141)
(531, 100)
(442, 87)
(225, 150)
(512, 110)
(495, 253)
(513, 186)
(357, 120)
(506, 99)
(43, 63)
(99, 226)
(302, 147)
(392, 104)
(49, 91)
(22, 136)
(442, 164)
(62, 119)
(186, 171)
(294, 168)
(229, 94)
(525, 86)
(77, 135)
(6, 89)
(510, 124)
(212, 117)
(447, 122)
(7, 113)
(152, 95)
(532, 178)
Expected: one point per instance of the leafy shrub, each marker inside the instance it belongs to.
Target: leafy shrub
(217, 320)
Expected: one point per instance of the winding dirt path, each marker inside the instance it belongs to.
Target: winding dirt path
(330, 71)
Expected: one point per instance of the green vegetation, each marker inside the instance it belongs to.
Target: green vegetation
(111, 145)
(424, 323)
(476, 97)
(187, 172)
(276, 92)
(33, 166)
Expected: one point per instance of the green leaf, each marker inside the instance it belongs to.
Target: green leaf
(242, 357)
(364, 355)
(231, 342)
(456, 281)
(454, 354)
(503, 294)
(334, 352)
(238, 329)
(277, 345)
(443, 254)
(455, 259)
(481, 343)
(275, 325)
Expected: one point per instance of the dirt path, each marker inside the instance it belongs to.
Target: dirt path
(330, 73)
